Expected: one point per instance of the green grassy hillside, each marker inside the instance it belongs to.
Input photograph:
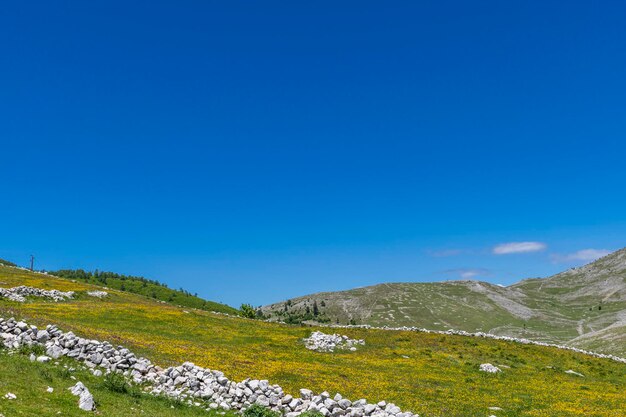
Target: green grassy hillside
(432, 375)
(33, 380)
(145, 287)
(583, 307)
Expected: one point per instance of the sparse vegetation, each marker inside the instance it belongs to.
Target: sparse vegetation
(256, 410)
(117, 383)
(311, 414)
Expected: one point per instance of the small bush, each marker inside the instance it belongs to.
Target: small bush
(247, 311)
(36, 350)
(116, 383)
(256, 410)
(311, 413)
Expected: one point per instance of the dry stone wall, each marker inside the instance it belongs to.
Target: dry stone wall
(20, 293)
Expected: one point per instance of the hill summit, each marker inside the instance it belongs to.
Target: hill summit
(583, 307)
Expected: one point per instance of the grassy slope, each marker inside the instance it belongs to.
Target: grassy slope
(33, 399)
(571, 294)
(429, 374)
(555, 309)
(147, 288)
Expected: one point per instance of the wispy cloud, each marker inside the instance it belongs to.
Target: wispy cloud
(444, 253)
(468, 273)
(583, 255)
(518, 247)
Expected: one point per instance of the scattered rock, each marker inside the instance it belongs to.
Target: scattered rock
(487, 367)
(97, 294)
(85, 399)
(322, 342)
(571, 372)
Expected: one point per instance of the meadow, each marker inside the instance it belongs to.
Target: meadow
(33, 399)
(432, 375)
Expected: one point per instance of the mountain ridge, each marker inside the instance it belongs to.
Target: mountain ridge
(583, 307)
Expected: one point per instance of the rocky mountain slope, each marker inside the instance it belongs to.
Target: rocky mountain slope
(583, 307)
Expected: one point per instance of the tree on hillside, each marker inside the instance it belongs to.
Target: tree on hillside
(247, 311)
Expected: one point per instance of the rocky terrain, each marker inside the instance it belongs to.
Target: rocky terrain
(583, 307)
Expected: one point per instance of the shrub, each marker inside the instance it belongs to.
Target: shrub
(36, 350)
(256, 410)
(311, 413)
(116, 383)
(247, 311)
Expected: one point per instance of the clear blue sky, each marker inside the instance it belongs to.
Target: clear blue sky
(254, 151)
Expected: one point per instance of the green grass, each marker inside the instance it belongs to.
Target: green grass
(429, 374)
(7, 263)
(146, 287)
(30, 380)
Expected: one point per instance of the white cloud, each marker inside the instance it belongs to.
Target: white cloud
(468, 273)
(444, 253)
(518, 247)
(583, 255)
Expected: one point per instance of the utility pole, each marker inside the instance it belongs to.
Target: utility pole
(32, 262)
